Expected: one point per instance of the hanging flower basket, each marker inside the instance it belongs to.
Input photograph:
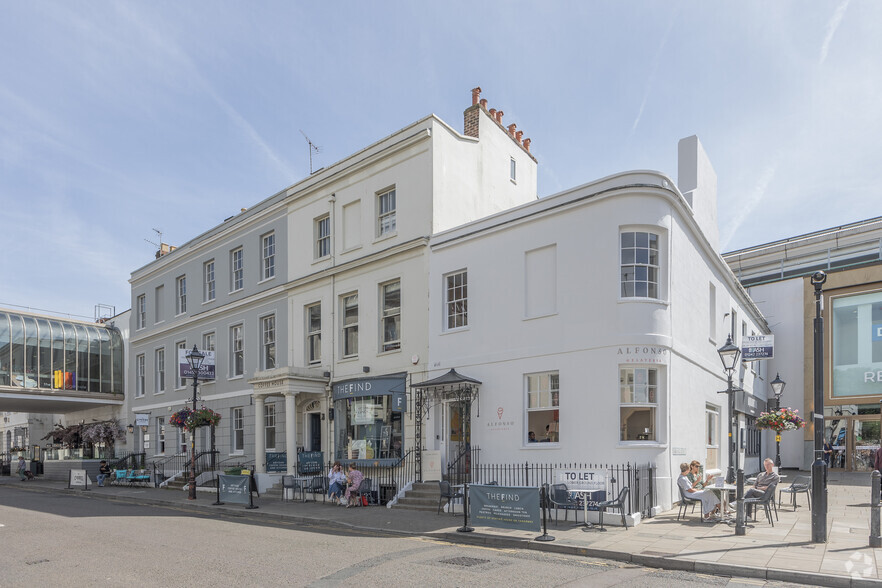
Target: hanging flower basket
(193, 419)
(783, 419)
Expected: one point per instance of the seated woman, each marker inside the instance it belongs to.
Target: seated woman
(353, 480)
(710, 504)
(695, 475)
(336, 482)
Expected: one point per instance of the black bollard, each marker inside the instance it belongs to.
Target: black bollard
(465, 511)
(739, 503)
(875, 492)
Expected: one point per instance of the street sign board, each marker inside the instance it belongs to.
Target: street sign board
(755, 347)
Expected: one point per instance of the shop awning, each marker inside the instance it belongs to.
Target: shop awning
(451, 379)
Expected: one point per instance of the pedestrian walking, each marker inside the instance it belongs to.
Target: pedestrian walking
(22, 466)
(877, 461)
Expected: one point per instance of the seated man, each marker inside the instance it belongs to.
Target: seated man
(710, 504)
(763, 481)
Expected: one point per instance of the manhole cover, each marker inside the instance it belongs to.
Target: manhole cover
(464, 561)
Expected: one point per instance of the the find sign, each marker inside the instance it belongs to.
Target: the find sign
(877, 332)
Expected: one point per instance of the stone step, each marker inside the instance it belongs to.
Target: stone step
(419, 507)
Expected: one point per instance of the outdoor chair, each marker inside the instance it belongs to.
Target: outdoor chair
(293, 484)
(685, 501)
(119, 476)
(559, 498)
(364, 489)
(447, 494)
(319, 485)
(618, 503)
(800, 484)
(764, 500)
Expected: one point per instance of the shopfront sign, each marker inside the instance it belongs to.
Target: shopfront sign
(142, 420)
(747, 403)
(877, 331)
(754, 347)
(310, 462)
(642, 354)
(206, 371)
(506, 507)
(361, 387)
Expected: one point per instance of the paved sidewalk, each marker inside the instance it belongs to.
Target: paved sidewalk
(783, 552)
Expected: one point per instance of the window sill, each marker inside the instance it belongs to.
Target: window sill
(180, 314)
(239, 377)
(347, 359)
(513, 181)
(641, 445)
(539, 316)
(456, 330)
(644, 300)
(160, 393)
(204, 302)
(543, 445)
(231, 292)
(269, 279)
(351, 249)
(237, 453)
(389, 352)
(385, 236)
(159, 322)
(321, 259)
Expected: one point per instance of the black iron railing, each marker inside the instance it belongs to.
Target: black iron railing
(639, 478)
(174, 465)
(386, 480)
(459, 470)
(129, 461)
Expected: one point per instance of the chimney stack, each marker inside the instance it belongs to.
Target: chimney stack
(527, 144)
(476, 94)
(518, 136)
(499, 114)
(511, 129)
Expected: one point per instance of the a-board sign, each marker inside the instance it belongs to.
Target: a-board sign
(276, 461)
(235, 489)
(79, 479)
(506, 507)
(755, 347)
(310, 462)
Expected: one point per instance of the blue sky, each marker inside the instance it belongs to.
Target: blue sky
(120, 117)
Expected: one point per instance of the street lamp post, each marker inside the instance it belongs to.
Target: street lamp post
(729, 354)
(195, 359)
(819, 466)
(778, 388)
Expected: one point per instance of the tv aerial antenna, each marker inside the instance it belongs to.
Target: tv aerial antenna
(157, 245)
(312, 147)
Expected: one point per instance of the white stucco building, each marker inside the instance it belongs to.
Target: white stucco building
(592, 319)
(315, 300)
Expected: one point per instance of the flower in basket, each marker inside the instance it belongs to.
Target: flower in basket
(193, 419)
(783, 419)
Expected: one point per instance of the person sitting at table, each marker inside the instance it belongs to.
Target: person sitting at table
(695, 475)
(763, 481)
(710, 504)
(353, 480)
(531, 437)
(336, 482)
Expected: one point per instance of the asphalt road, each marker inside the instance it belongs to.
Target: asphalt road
(54, 539)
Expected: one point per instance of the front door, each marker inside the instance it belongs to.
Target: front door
(315, 431)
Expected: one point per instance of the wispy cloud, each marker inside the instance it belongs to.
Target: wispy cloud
(749, 203)
(832, 25)
(650, 81)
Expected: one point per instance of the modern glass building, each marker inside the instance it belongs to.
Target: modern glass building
(39, 352)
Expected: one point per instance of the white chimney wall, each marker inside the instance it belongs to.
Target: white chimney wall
(698, 183)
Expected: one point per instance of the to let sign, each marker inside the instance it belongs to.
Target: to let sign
(755, 347)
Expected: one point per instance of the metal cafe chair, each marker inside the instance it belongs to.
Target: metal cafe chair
(618, 503)
(447, 494)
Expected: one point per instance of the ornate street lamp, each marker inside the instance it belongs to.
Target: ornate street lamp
(131, 428)
(729, 354)
(819, 466)
(778, 388)
(195, 359)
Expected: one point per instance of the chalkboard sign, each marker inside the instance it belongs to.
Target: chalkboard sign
(276, 461)
(310, 462)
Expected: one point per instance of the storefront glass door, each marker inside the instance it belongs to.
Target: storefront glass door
(855, 440)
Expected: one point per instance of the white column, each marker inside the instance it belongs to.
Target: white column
(259, 436)
(291, 430)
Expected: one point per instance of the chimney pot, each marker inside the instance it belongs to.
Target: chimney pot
(527, 144)
(484, 103)
(511, 129)
(499, 114)
(518, 136)
(493, 113)
(476, 94)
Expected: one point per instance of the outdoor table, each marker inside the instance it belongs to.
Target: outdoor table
(722, 493)
(586, 495)
(302, 481)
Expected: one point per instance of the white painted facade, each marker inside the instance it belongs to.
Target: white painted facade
(440, 179)
(545, 297)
